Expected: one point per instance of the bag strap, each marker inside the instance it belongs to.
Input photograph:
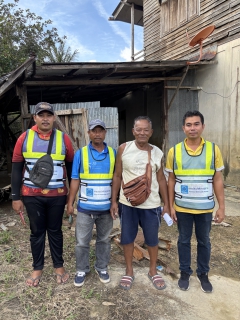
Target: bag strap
(149, 154)
(49, 147)
(149, 168)
(51, 142)
(147, 172)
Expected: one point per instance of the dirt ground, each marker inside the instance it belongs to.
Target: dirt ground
(98, 301)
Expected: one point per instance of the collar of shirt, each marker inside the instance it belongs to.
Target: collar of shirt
(105, 150)
(41, 135)
(198, 150)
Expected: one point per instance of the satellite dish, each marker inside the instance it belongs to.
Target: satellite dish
(198, 39)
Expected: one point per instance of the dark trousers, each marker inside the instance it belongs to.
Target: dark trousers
(45, 215)
(203, 222)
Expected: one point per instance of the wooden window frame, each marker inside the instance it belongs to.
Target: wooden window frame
(167, 21)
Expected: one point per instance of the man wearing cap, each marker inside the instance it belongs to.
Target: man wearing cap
(92, 174)
(44, 207)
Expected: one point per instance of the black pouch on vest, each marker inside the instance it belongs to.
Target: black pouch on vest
(43, 169)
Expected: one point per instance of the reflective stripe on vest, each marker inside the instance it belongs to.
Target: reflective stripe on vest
(95, 188)
(31, 142)
(87, 175)
(32, 137)
(194, 177)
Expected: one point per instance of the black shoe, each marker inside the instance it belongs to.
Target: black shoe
(205, 283)
(183, 282)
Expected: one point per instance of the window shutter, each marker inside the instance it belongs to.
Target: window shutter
(164, 18)
(182, 11)
(173, 14)
(193, 8)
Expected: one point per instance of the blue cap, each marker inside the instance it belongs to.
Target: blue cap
(95, 123)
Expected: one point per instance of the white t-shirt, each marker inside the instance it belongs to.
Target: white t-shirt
(134, 163)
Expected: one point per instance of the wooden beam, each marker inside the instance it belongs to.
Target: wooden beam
(16, 74)
(85, 126)
(97, 82)
(119, 66)
(132, 31)
(22, 94)
(179, 85)
(183, 87)
(69, 111)
(108, 73)
(63, 129)
(19, 115)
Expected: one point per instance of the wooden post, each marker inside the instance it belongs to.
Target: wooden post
(22, 94)
(132, 32)
(63, 129)
(7, 144)
(85, 125)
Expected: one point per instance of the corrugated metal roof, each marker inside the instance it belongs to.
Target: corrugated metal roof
(109, 115)
(67, 106)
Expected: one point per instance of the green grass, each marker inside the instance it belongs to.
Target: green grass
(12, 255)
(5, 237)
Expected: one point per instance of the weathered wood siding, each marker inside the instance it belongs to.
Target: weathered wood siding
(151, 21)
(165, 25)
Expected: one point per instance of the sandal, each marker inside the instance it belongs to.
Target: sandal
(128, 280)
(33, 281)
(61, 276)
(157, 279)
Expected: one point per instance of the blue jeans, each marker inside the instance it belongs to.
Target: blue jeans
(84, 227)
(203, 222)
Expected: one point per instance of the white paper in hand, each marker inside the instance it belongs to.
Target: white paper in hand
(167, 219)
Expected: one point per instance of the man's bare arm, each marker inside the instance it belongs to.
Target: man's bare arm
(116, 183)
(163, 190)
(171, 194)
(219, 192)
(74, 187)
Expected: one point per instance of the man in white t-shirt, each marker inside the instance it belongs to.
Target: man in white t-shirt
(131, 161)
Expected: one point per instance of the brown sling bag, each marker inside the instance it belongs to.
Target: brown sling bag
(138, 190)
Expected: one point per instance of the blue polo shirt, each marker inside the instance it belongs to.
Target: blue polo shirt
(96, 164)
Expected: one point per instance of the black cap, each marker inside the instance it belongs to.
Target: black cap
(43, 106)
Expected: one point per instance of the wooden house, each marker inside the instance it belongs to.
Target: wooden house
(212, 88)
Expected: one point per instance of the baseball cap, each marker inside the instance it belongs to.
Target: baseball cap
(43, 106)
(95, 123)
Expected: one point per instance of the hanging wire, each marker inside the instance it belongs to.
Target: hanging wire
(218, 94)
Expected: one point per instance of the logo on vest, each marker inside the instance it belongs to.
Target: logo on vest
(184, 189)
(89, 192)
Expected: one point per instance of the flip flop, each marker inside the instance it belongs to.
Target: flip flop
(61, 276)
(33, 281)
(127, 280)
(157, 279)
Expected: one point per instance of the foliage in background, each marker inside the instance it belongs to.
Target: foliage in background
(23, 33)
(59, 53)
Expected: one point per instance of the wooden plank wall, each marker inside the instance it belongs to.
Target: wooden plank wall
(151, 22)
(224, 14)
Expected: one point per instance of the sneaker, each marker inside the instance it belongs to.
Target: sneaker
(103, 276)
(183, 282)
(205, 283)
(79, 279)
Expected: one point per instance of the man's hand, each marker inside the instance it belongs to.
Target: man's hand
(114, 210)
(173, 214)
(165, 210)
(70, 209)
(219, 216)
(17, 206)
